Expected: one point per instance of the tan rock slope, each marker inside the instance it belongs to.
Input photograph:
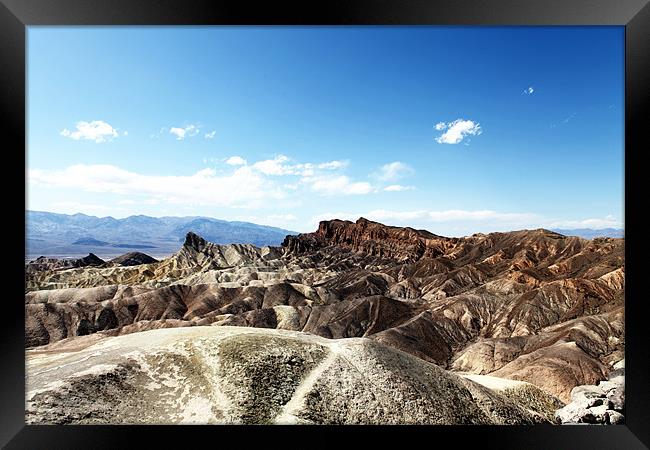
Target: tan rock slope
(528, 305)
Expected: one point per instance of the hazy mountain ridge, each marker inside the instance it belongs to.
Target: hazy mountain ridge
(61, 235)
(591, 233)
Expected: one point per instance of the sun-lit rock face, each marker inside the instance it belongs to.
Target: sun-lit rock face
(529, 305)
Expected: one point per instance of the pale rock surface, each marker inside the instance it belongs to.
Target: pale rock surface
(601, 404)
(250, 375)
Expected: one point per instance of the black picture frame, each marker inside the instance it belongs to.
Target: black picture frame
(16, 15)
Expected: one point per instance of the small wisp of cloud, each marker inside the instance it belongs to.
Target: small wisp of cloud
(571, 117)
(236, 161)
(183, 132)
(565, 120)
(398, 188)
(158, 134)
(210, 135)
(394, 171)
(529, 90)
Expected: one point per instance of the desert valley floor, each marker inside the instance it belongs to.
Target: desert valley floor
(357, 322)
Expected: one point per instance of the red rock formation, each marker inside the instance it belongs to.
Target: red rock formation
(372, 238)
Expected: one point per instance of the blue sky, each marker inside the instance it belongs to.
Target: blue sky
(453, 129)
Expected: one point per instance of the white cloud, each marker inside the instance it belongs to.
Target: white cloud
(529, 90)
(337, 185)
(394, 171)
(235, 185)
(244, 187)
(178, 132)
(210, 135)
(607, 222)
(334, 165)
(236, 161)
(282, 165)
(125, 133)
(275, 166)
(182, 133)
(440, 126)
(97, 130)
(398, 188)
(458, 130)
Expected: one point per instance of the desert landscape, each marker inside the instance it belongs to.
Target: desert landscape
(355, 323)
(325, 225)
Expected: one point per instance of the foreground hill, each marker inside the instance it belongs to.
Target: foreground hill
(254, 376)
(529, 305)
(53, 234)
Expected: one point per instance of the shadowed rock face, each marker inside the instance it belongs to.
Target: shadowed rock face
(529, 305)
(252, 376)
(131, 259)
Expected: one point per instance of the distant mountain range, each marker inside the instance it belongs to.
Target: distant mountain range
(63, 235)
(589, 233)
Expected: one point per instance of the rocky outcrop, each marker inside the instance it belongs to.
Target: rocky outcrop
(371, 238)
(42, 263)
(131, 259)
(251, 376)
(597, 404)
(195, 256)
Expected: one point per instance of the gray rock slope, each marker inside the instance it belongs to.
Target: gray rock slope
(225, 374)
